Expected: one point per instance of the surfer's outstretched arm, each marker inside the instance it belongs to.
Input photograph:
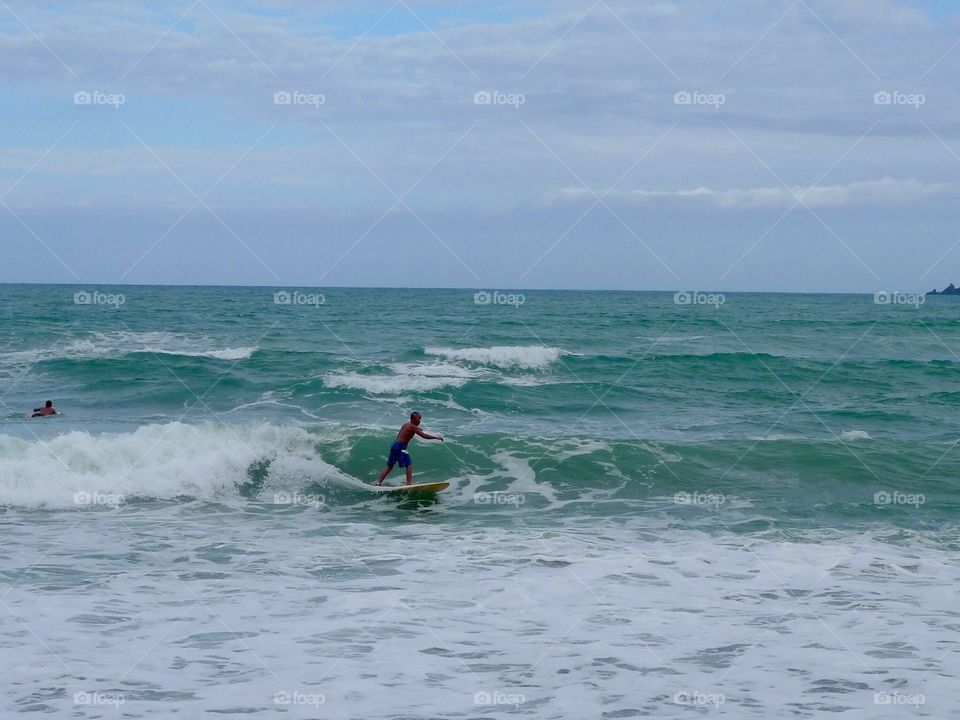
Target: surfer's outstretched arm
(427, 436)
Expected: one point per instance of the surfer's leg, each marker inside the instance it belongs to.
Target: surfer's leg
(384, 474)
(409, 474)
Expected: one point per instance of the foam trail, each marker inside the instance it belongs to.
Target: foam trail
(118, 344)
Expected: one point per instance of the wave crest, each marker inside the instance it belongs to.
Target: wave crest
(529, 357)
(206, 461)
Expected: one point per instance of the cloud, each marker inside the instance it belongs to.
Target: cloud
(885, 190)
(798, 81)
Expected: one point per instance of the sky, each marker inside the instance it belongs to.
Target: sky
(774, 145)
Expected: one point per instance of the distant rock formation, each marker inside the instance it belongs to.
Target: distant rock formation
(950, 289)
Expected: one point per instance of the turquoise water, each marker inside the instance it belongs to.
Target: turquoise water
(805, 404)
(647, 499)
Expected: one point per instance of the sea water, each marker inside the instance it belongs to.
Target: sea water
(660, 505)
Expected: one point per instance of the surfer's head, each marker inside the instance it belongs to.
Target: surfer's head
(49, 403)
(415, 418)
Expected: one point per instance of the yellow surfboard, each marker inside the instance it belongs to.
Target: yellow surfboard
(418, 489)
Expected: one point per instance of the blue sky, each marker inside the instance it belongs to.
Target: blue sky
(794, 145)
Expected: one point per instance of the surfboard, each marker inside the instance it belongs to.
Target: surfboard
(417, 489)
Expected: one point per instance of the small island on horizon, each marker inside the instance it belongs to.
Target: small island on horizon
(950, 289)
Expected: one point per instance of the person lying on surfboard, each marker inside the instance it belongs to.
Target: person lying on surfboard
(47, 409)
(398, 451)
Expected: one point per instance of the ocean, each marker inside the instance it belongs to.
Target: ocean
(664, 505)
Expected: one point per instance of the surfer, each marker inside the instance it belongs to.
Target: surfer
(398, 451)
(47, 409)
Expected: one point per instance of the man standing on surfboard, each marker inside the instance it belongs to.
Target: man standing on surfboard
(398, 451)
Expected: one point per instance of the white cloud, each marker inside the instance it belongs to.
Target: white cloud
(799, 93)
(886, 190)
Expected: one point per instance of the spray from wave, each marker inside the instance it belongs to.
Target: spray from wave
(207, 461)
(404, 377)
(532, 357)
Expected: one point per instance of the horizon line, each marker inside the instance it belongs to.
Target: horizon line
(467, 289)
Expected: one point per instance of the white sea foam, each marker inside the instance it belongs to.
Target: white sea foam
(163, 343)
(235, 353)
(530, 357)
(450, 372)
(528, 381)
(404, 379)
(782, 630)
(162, 461)
(853, 435)
(670, 338)
(563, 449)
(523, 478)
(389, 384)
(117, 344)
(444, 370)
